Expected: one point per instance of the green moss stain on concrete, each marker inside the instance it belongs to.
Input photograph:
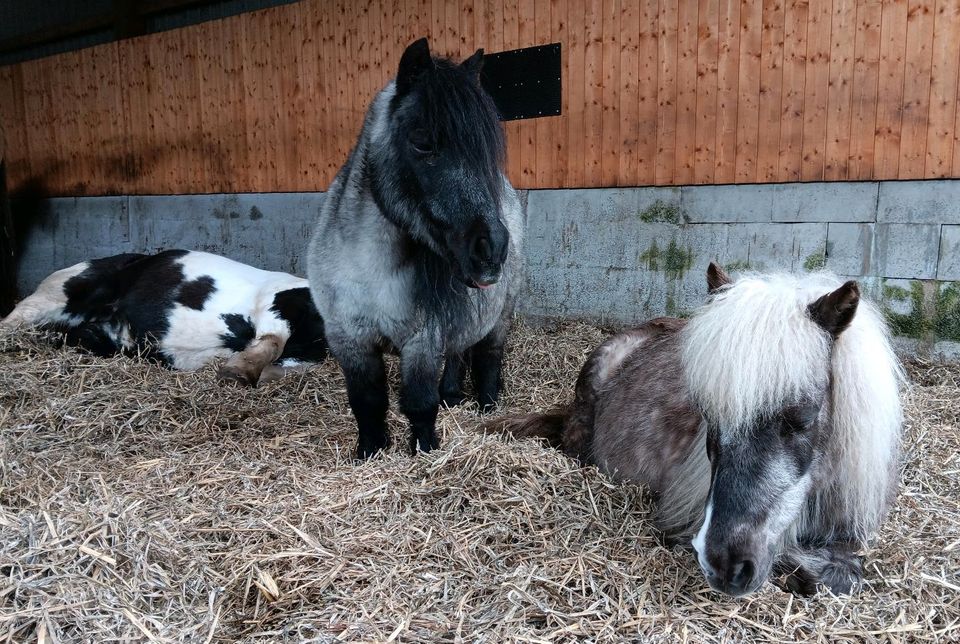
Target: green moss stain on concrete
(677, 260)
(651, 257)
(927, 310)
(913, 323)
(674, 260)
(661, 212)
(815, 261)
(946, 322)
(738, 266)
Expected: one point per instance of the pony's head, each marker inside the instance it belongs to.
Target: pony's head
(439, 150)
(758, 364)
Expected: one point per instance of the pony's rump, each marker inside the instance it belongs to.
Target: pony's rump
(547, 426)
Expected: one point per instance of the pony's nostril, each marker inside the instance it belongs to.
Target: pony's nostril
(741, 574)
(481, 249)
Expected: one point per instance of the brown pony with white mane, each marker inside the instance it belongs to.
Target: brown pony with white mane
(767, 427)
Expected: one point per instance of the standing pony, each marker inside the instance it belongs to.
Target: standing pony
(417, 248)
(767, 427)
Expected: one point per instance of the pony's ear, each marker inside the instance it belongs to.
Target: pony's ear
(474, 64)
(834, 311)
(415, 61)
(716, 278)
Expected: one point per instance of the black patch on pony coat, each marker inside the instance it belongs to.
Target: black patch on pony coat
(195, 293)
(307, 340)
(129, 289)
(240, 332)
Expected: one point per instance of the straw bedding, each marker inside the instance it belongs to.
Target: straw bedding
(140, 504)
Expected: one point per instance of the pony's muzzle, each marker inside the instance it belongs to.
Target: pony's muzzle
(487, 253)
(730, 572)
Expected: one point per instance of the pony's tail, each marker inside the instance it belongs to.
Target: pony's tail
(547, 426)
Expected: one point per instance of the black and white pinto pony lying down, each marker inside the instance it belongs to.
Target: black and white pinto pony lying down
(184, 309)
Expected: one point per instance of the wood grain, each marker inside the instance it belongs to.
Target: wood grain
(654, 92)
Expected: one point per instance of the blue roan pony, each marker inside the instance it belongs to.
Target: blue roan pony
(417, 247)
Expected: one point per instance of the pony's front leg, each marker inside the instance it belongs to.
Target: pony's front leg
(451, 383)
(367, 393)
(420, 363)
(835, 566)
(486, 366)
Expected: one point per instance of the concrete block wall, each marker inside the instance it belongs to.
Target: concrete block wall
(610, 255)
(623, 255)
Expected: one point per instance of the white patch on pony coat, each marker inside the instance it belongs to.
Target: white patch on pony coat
(46, 304)
(193, 337)
(615, 351)
(754, 347)
(699, 542)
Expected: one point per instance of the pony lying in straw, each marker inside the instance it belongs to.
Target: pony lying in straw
(767, 426)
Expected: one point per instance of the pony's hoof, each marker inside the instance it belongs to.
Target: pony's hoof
(232, 375)
(842, 574)
(423, 444)
(366, 452)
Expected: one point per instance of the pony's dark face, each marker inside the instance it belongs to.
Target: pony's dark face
(445, 144)
(760, 478)
(762, 470)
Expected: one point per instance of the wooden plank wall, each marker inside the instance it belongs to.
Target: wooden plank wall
(664, 92)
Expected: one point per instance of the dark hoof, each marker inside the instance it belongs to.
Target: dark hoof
(367, 450)
(423, 444)
(232, 375)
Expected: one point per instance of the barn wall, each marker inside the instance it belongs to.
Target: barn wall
(617, 255)
(655, 92)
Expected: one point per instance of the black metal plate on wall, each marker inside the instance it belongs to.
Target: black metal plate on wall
(524, 83)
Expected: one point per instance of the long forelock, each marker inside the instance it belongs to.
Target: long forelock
(754, 349)
(455, 107)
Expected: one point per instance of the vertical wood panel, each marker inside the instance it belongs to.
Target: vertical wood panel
(647, 92)
(545, 141)
(708, 18)
(667, 50)
(816, 90)
(629, 107)
(748, 91)
(528, 128)
(557, 129)
(728, 63)
(593, 84)
(916, 89)
(686, 91)
(794, 82)
(893, 50)
(771, 83)
(943, 90)
(511, 40)
(866, 73)
(575, 82)
(839, 96)
(610, 93)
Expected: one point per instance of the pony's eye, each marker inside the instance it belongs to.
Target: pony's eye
(798, 419)
(421, 142)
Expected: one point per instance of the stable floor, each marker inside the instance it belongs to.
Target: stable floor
(142, 504)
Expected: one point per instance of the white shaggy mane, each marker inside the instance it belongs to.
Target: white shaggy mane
(754, 348)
